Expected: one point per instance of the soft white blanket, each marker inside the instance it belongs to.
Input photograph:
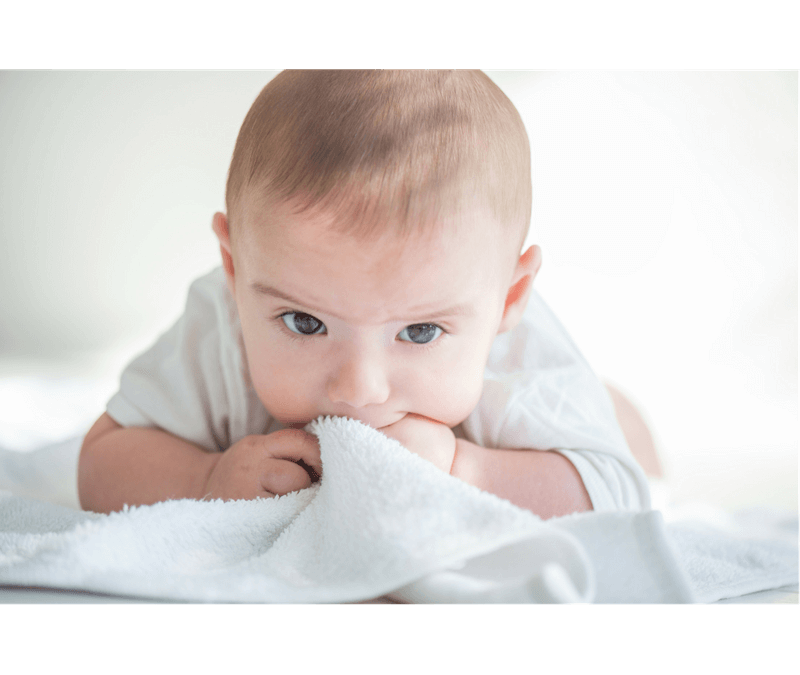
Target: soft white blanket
(382, 521)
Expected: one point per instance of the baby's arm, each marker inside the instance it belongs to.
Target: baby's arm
(133, 465)
(546, 483)
(130, 465)
(543, 482)
(555, 485)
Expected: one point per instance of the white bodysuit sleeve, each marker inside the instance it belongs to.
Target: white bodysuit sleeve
(540, 393)
(193, 381)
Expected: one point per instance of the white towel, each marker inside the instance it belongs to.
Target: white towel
(381, 521)
(724, 564)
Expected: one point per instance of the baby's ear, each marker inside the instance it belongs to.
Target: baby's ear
(220, 226)
(520, 289)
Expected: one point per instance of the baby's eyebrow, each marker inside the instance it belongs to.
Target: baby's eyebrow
(263, 289)
(459, 309)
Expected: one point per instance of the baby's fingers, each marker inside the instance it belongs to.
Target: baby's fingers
(283, 476)
(296, 445)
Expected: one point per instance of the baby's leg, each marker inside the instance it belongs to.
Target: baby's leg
(636, 433)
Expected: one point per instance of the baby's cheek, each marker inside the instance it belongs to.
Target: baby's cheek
(461, 395)
(280, 391)
(285, 405)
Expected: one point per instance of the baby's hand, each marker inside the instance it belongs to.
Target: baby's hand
(265, 466)
(428, 439)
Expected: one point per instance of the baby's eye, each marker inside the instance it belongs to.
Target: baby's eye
(420, 333)
(303, 324)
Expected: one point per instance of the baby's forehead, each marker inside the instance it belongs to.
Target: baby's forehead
(319, 237)
(305, 256)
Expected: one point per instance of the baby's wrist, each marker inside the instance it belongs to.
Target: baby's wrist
(466, 461)
(204, 471)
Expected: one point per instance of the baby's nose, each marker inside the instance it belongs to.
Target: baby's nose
(359, 381)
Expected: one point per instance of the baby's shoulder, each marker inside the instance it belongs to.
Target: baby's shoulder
(209, 326)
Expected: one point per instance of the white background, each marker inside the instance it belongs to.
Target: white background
(665, 204)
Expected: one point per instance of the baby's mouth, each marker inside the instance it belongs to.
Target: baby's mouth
(375, 423)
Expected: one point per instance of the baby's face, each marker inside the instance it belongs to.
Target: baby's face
(368, 330)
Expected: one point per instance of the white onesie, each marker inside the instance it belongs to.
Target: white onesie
(539, 392)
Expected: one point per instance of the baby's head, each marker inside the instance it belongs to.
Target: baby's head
(372, 241)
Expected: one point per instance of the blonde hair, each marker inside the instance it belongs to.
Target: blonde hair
(375, 148)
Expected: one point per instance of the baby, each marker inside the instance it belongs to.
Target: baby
(371, 268)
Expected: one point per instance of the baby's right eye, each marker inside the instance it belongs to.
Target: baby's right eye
(303, 324)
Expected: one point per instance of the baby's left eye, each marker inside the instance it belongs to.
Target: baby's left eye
(420, 333)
